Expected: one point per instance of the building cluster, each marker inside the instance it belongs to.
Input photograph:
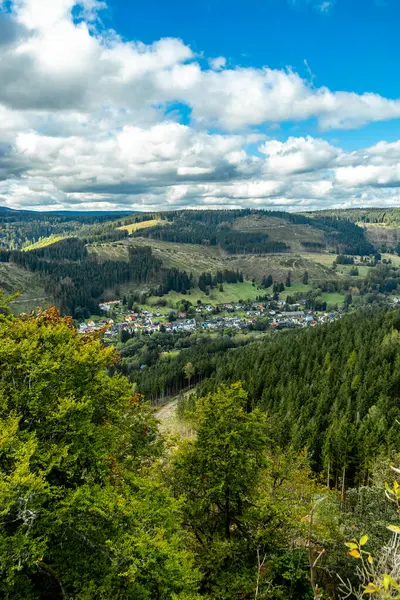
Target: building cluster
(251, 313)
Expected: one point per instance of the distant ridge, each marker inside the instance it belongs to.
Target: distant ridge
(66, 213)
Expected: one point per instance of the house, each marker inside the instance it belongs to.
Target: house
(109, 305)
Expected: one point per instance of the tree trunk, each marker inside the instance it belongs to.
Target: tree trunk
(342, 494)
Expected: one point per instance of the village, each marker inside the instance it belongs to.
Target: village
(249, 315)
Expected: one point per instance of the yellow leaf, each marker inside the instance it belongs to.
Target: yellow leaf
(394, 528)
(355, 553)
(370, 559)
(371, 589)
(386, 581)
(363, 540)
(351, 545)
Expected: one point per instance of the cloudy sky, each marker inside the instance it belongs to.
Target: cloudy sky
(291, 104)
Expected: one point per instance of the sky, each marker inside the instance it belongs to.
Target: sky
(282, 104)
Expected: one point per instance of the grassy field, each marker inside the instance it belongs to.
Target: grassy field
(233, 292)
(380, 233)
(394, 258)
(362, 270)
(15, 279)
(196, 259)
(333, 299)
(142, 225)
(189, 257)
(322, 258)
(280, 230)
(294, 289)
(52, 239)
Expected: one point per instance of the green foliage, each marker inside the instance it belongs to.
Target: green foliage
(81, 514)
(332, 389)
(242, 505)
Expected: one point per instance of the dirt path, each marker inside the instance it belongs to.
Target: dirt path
(169, 424)
(168, 417)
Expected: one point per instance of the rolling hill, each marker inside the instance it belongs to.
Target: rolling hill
(81, 259)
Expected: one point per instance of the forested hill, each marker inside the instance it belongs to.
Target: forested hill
(259, 232)
(386, 216)
(19, 228)
(333, 389)
(235, 231)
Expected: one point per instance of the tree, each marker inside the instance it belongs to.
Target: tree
(5, 310)
(305, 278)
(348, 300)
(81, 516)
(218, 474)
(189, 371)
(288, 282)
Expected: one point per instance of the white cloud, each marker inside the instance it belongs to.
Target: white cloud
(87, 119)
(298, 155)
(217, 63)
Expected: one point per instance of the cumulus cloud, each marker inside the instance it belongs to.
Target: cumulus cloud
(91, 120)
(298, 155)
(217, 63)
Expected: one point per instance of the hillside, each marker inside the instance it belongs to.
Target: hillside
(279, 229)
(81, 260)
(16, 279)
(196, 258)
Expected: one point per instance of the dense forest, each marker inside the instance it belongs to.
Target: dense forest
(332, 389)
(385, 216)
(214, 228)
(96, 503)
(19, 229)
(77, 282)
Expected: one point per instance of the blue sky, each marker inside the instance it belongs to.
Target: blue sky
(291, 104)
(351, 45)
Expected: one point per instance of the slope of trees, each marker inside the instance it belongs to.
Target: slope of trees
(21, 228)
(214, 228)
(333, 389)
(77, 281)
(81, 515)
(94, 504)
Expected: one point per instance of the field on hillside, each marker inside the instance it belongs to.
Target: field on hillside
(280, 230)
(393, 257)
(15, 279)
(278, 265)
(233, 292)
(189, 257)
(323, 258)
(53, 239)
(142, 225)
(333, 299)
(196, 259)
(294, 289)
(379, 233)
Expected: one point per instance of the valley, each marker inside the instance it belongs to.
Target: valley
(269, 339)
